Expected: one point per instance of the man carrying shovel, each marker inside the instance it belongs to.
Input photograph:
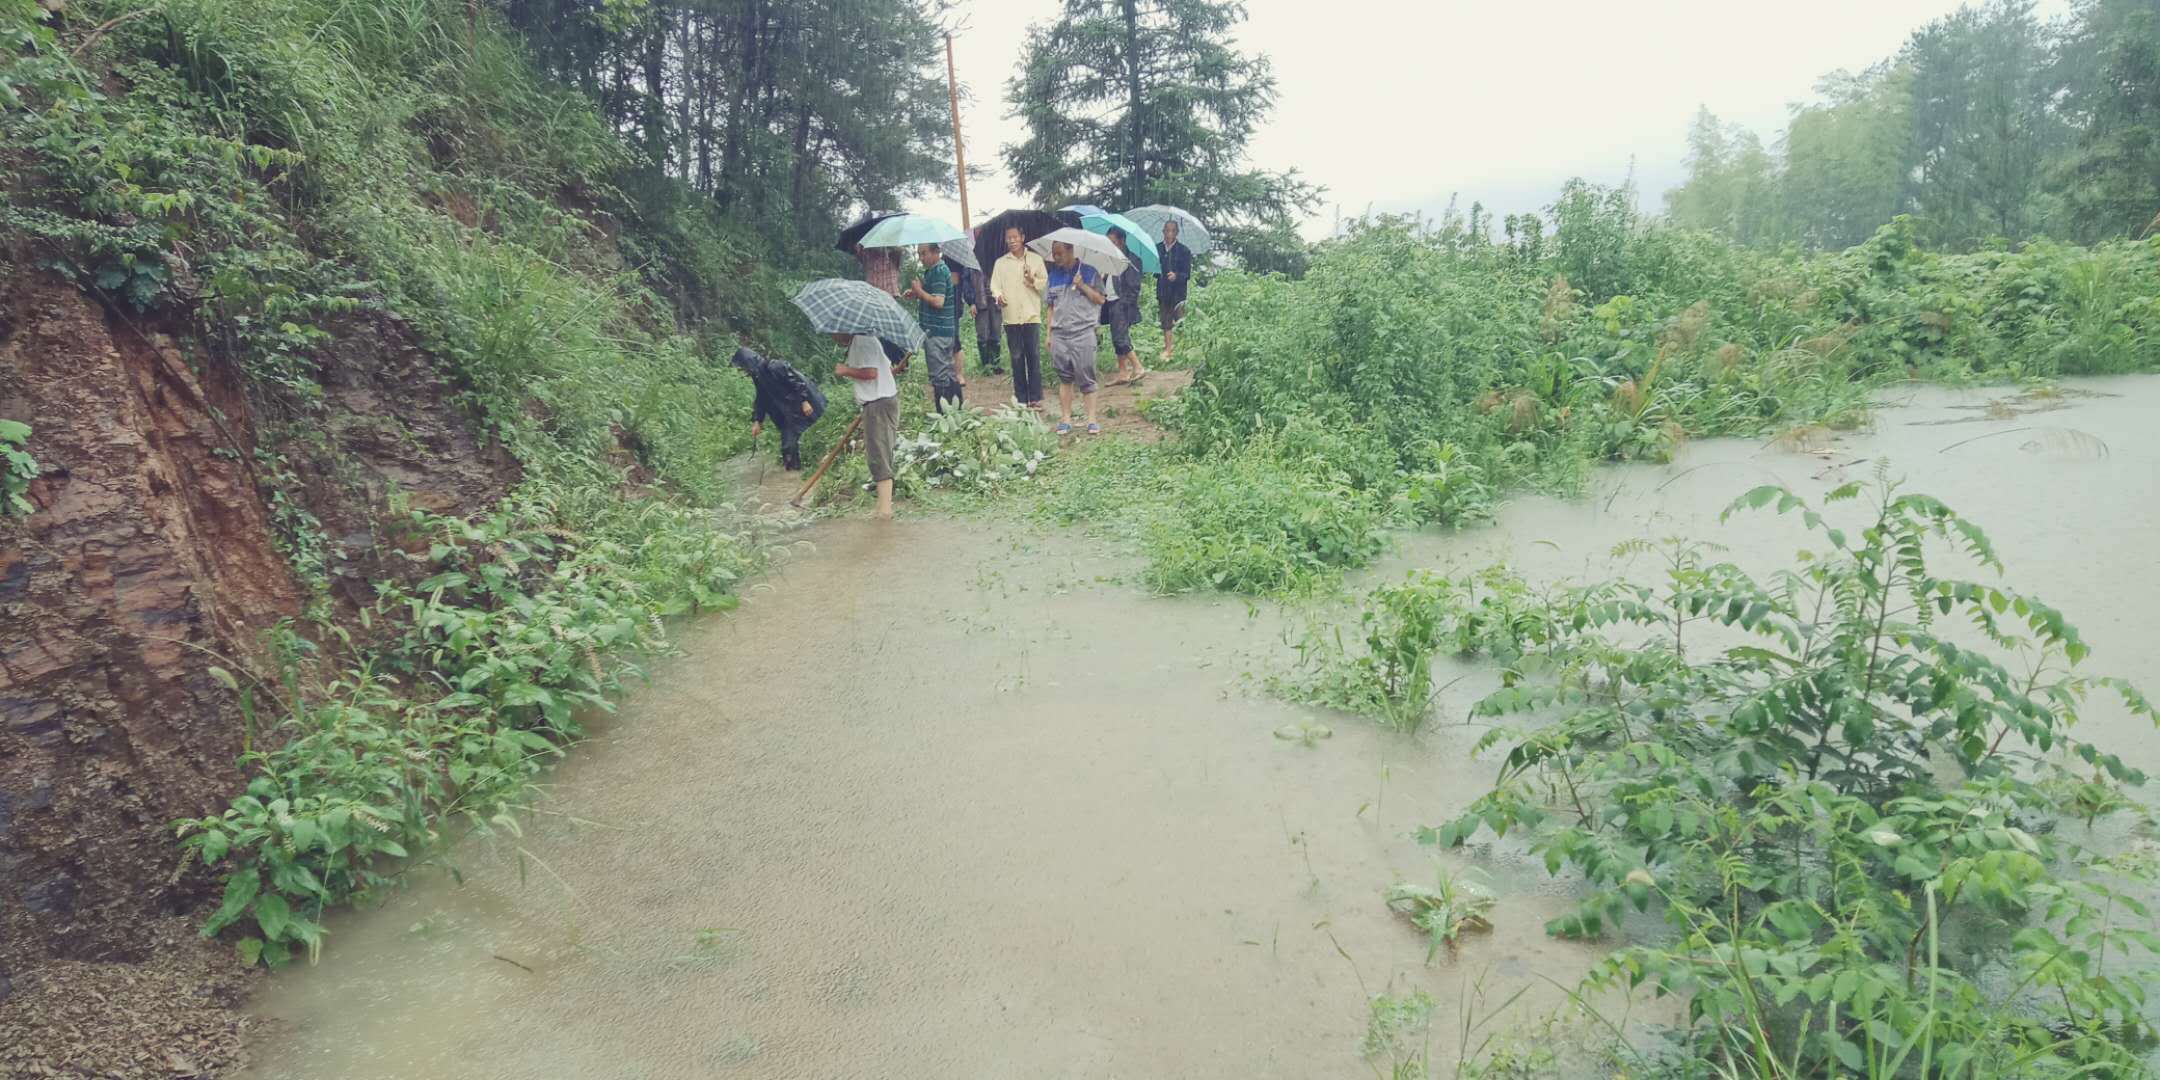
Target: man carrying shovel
(868, 321)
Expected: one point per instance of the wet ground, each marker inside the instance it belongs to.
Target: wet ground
(955, 799)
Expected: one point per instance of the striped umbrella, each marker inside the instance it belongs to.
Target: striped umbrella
(1137, 240)
(840, 306)
(1191, 232)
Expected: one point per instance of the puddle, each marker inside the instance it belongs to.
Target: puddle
(956, 800)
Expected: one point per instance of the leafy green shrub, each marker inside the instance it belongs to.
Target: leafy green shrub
(1846, 819)
(1245, 523)
(973, 451)
(520, 628)
(17, 469)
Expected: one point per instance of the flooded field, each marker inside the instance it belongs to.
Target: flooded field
(956, 799)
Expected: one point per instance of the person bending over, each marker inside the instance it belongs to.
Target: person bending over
(786, 397)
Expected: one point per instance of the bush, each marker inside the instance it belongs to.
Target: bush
(1246, 523)
(972, 451)
(1848, 819)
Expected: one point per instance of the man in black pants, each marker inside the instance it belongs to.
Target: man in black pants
(1018, 284)
(785, 396)
(989, 331)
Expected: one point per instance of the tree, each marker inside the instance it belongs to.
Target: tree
(788, 113)
(1129, 102)
(2110, 78)
(1847, 157)
(1982, 126)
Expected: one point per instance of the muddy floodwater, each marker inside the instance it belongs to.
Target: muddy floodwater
(957, 799)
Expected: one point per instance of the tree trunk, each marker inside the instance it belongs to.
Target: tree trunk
(655, 111)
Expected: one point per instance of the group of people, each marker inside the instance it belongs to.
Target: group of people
(1021, 296)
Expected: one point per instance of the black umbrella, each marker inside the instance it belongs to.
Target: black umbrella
(853, 234)
(990, 237)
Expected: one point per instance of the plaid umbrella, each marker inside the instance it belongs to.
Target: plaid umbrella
(1191, 232)
(840, 306)
(960, 253)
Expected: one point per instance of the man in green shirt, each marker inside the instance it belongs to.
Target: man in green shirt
(939, 298)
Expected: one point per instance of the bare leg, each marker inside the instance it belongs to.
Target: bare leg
(1065, 402)
(884, 500)
(1089, 399)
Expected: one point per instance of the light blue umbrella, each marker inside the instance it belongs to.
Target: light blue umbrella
(908, 230)
(1137, 240)
(1191, 232)
(840, 306)
(1083, 209)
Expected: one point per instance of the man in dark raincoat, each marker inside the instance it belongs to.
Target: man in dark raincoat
(785, 396)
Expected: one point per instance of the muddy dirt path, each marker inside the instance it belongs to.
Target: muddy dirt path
(954, 799)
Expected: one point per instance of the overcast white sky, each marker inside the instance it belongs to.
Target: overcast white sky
(1393, 105)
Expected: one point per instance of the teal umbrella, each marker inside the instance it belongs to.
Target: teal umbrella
(1191, 231)
(1138, 240)
(908, 230)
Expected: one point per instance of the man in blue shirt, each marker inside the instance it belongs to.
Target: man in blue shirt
(1075, 300)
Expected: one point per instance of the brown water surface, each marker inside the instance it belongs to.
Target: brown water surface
(955, 799)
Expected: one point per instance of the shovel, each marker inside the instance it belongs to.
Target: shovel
(830, 456)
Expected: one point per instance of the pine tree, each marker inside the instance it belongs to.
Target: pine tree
(1129, 102)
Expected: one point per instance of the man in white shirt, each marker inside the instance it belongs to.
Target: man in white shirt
(879, 397)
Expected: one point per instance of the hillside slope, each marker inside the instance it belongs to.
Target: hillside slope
(342, 388)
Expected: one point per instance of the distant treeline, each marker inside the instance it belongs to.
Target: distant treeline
(1991, 123)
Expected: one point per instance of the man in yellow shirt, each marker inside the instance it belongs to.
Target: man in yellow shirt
(1017, 285)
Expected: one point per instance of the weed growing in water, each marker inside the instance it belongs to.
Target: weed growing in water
(1848, 820)
(1455, 904)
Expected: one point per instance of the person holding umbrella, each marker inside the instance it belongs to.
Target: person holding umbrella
(938, 301)
(1075, 301)
(786, 397)
(1018, 285)
(1172, 283)
(867, 321)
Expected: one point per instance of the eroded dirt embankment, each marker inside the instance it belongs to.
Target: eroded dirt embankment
(149, 558)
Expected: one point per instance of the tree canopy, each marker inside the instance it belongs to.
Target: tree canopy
(1129, 102)
(1988, 123)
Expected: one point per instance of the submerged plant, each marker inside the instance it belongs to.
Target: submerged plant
(1453, 905)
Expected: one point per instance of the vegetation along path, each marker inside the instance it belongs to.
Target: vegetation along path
(957, 800)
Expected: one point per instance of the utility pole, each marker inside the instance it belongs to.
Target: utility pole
(959, 149)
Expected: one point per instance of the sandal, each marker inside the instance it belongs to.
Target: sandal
(1063, 428)
(1094, 429)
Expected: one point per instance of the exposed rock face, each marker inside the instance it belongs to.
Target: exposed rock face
(149, 559)
(149, 545)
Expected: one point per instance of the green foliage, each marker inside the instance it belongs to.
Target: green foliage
(972, 451)
(1398, 1035)
(1129, 103)
(1989, 124)
(17, 469)
(1842, 803)
(1248, 523)
(518, 629)
(1455, 904)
